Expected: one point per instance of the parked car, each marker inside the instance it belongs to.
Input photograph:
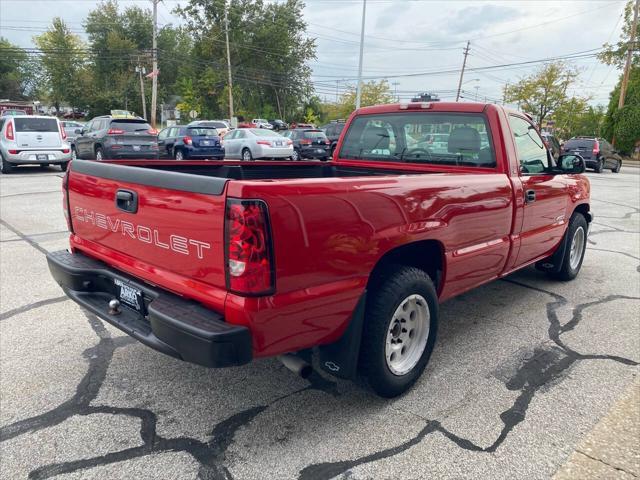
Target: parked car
(309, 143)
(109, 137)
(181, 142)
(220, 125)
(552, 144)
(70, 128)
(278, 125)
(333, 130)
(294, 125)
(254, 143)
(75, 114)
(227, 263)
(261, 123)
(12, 112)
(597, 153)
(32, 140)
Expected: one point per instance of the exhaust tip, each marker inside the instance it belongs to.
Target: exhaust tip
(296, 365)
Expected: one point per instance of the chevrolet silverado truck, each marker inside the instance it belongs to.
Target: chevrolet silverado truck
(345, 262)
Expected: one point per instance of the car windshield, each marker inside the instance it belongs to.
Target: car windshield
(131, 125)
(36, 124)
(203, 131)
(263, 132)
(314, 134)
(583, 143)
(405, 138)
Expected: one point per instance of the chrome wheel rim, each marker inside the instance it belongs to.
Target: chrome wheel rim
(99, 155)
(178, 155)
(577, 248)
(246, 155)
(74, 155)
(407, 335)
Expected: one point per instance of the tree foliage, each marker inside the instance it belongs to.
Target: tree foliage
(576, 117)
(18, 72)
(373, 93)
(543, 92)
(617, 54)
(623, 124)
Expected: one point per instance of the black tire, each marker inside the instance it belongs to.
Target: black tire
(570, 268)
(617, 167)
(64, 166)
(386, 295)
(6, 168)
(599, 166)
(296, 155)
(246, 155)
(178, 154)
(99, 154)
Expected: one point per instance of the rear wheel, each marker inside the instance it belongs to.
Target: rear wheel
(99, 154)
(74, 154)
(599, 166)
(64, 166)
(616, 168)
(6, 168)
(400, 330)
(295, 156)
(246, 155)
(574, 253)
(178, 155)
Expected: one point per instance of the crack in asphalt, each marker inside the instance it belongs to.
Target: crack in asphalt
(24, 237)
(31, 306)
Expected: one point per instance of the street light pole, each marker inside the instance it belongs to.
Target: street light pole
(230, 84)
(154, 73)
(359, 87)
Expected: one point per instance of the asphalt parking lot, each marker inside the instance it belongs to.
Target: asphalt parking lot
(523, 369)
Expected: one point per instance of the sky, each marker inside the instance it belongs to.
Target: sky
(417, 45)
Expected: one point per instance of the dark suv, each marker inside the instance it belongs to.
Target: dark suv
(107, 137)
(597, 153)
(309, 143)
(183, 142)
(333, 130)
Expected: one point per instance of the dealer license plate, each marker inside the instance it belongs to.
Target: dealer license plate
(130, 296)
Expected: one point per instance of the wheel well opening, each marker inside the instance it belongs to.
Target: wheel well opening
(427, 255)
(584, 210)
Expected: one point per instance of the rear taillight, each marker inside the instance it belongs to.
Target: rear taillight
(249, 259)
(152, 131)
(66, 150)
(13, 152)
(63, 134)
(115, 131)
(187, 140)
(327, 141)
(263, 142)
(289, 142)
(596, 148)
(8, 133)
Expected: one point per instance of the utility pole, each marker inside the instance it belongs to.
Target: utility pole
(395, 90)
(230, 84)
(154, 68)
(464, 64)
(337, 92)
(630, 47)
(140, 69)
(359, 87)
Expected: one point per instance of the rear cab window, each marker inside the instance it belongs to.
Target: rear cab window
(463, 139)
(36, 124)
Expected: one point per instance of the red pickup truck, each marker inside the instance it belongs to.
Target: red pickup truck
(217, 263)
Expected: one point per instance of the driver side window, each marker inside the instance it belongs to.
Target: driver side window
(530, 148)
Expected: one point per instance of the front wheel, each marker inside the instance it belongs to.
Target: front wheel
(74, 153)
(617, 167)
(599, 166)
(295, 156)
(575, 249)
(246, 155)
(178, 155)
(64, 166)
(99, 154)
(400, 330)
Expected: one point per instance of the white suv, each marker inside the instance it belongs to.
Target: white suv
(32, 140)
(262, 123)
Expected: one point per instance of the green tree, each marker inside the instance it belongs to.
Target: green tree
(18, 72)
(623, 124)
(373, 93)
(617, 54)
(576, 117)
(543, 92)
(269, 54)
(62, 60)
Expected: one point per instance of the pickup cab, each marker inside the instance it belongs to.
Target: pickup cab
(218, 263)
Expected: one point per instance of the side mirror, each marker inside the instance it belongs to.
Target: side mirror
(571, 164)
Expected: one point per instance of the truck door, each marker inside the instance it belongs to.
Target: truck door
(545, 194)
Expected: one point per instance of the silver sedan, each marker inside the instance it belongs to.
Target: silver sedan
(253, 143)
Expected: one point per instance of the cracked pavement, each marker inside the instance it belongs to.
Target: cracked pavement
(523, 369)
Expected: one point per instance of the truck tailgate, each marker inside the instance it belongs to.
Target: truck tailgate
(167, 221)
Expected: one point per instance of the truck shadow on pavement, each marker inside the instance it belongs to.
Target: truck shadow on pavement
(545, 364)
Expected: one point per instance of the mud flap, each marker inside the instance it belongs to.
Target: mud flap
(340, 358)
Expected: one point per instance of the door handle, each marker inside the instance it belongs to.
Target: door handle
(530, 196)
(127, 201)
